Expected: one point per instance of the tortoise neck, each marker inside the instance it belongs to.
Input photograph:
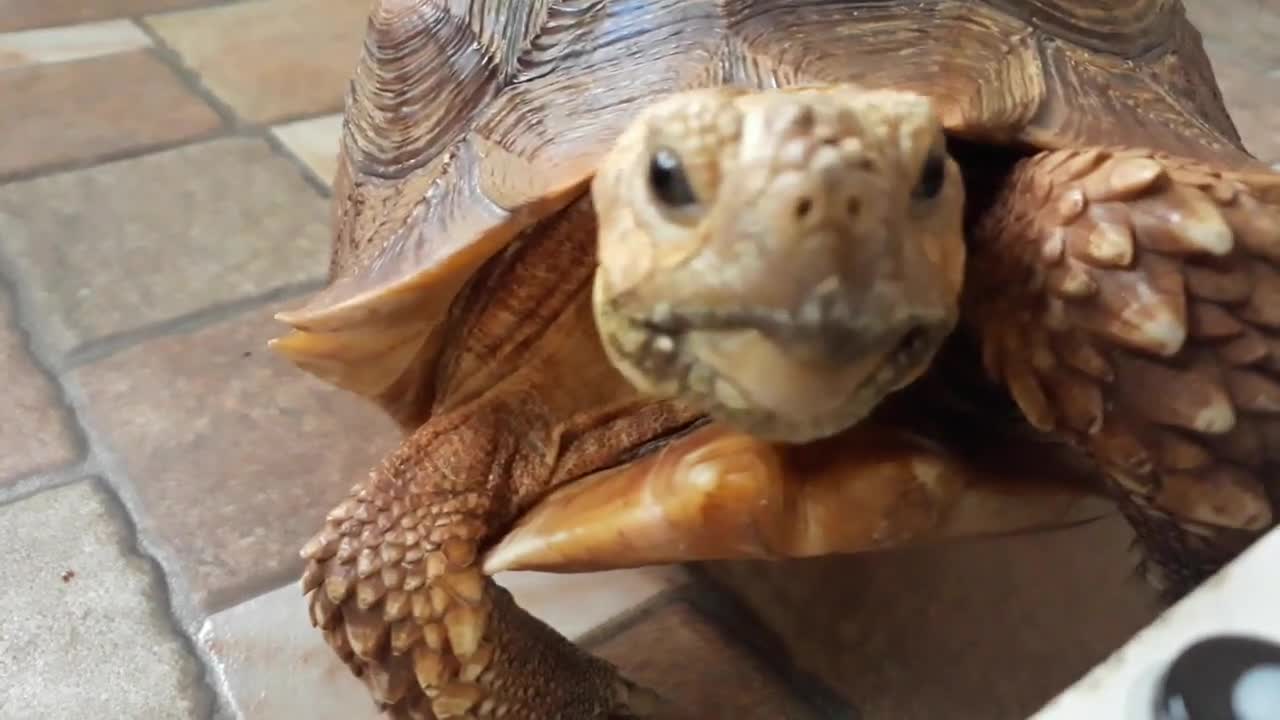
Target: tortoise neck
(524, 354)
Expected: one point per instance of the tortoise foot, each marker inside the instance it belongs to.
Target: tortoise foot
(1152, 343)
(1177, 557)
(393, 582)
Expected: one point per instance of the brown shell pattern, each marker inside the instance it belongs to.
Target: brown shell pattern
(1149, 329)
(469, 120)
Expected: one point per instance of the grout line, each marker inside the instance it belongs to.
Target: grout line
(319, 184)
(737, 623)
(15, 491)
(165, 52)
(108, 345)
(133, 153)
(28, 342)
(97, 462)
(192, 80)
(82, 21)
(201, 678)
(185, 614)
(629, 618)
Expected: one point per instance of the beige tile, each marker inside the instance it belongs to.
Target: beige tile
(1252, 95)
(75, 42)
(86, 627)
(1248, 27)
(271, 60)
(84, 110)
(26, 14)
(154, 238)
(35, 429)
(988, 630)
(233, 454)
(575, 604)
(275, 665)
(315, 143)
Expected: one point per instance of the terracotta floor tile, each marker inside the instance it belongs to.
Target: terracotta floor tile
(86, 629)
(704, 674)
(161, 236)
(75, 42)
(87, 109)
(315, 143)
(35, 430)
(234, 454)
(277, 666)
(25, 14)
(982, 630)
(271, 59)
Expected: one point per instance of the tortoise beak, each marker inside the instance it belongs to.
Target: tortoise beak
(719, 494)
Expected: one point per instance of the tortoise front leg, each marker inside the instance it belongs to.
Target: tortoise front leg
(395, 584)
(720, 494)
(1130, 301)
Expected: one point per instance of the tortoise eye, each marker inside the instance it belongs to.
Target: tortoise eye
(668, 181)
(932, 176)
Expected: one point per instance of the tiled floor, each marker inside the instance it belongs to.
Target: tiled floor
(163, 172)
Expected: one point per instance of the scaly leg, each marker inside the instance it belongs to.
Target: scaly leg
(396, 586)
(1131, 303)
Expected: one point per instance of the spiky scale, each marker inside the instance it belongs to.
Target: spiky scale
(465, 626)
(429, 666)
(1254, 391)
(1223, 496)
(397, 605)
(405, 634)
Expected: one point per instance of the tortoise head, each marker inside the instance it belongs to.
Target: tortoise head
(783, 259)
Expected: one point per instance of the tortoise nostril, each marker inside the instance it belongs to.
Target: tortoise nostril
(911, 343)
(803, 208)
(853, 206)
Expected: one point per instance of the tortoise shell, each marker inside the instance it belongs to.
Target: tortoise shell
(469, 122)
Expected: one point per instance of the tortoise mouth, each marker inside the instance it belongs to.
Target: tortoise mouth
(766, 374)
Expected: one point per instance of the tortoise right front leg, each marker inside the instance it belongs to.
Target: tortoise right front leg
(395, 584)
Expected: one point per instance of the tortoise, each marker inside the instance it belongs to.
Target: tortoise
(649, 281)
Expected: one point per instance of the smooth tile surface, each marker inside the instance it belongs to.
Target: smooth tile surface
(271, 60)
(1248, 27)
(25, 14)
(277, 666)
(221, 221)
(700, 671)
(315, 143)
(86, 633)
(1252, 94)
(76, 42)
(234, 454)
(35, 427)
(86, 110)
(983, 630)
(1242, 45)
(575, 604)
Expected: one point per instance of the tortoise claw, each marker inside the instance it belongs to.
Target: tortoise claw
(719, 494)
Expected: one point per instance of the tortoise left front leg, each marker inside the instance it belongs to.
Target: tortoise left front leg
(1130, 301)
(717, 494)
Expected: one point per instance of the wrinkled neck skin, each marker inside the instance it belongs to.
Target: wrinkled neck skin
(525, 367)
